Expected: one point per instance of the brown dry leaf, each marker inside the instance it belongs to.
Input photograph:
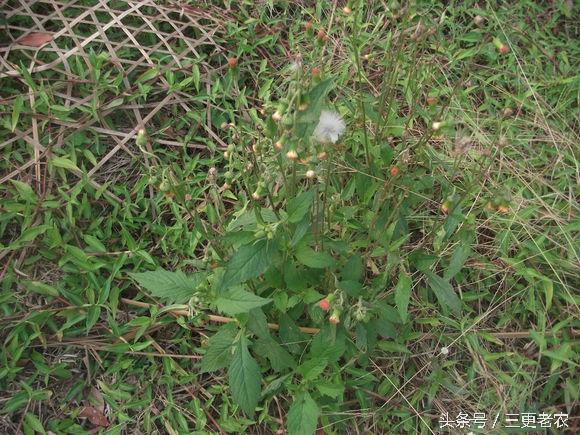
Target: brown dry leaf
(35, 39)
(95, 416)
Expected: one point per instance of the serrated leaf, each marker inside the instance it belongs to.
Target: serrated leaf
(258, 323)
(25, 191)
(331, 390)
(238, 301)
(290, 334)
(34, 422)
(219, 349)
(41, 288)
(279, 358)
(403, 294)
(248, 262)
(63, 162)
(444, 292)
(245, 378)
(311, 258)
(303, 415)
(176, 287)
(30, 234)
(312, 368)
(298, 206)
(147, 75)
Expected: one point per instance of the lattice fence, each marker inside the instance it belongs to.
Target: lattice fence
(96, 72)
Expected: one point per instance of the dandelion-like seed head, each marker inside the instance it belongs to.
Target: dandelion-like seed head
(330, 127)
(295, 65)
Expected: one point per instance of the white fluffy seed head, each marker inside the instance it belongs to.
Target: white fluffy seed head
(330, 127)
(437, 125)
(444, 351)
(310, 174)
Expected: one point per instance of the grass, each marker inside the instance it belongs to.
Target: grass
(176, 287)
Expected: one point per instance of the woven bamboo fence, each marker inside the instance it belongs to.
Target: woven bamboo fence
(138, 46)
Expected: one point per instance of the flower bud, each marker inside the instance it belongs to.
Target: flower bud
(316, 71)
(322, 155)
(308, 25)
(334, 318)
(431, 101)
(141, 137)
(507, 112)
(232, 62)
(292, 155)
(503, 209)
(394, 171)
(445, 207)
(256, 196)
(324, 304)
(478, 20)
(321, 36)
(346, 10)
(501, 47)
(279, 144)
(436, 125)
(276, 116)
(310, 174)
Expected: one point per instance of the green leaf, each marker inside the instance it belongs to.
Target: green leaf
(238, 301)
(195, 74)
(173, 286)
(41, 288)
(444, 292)
(312, 368)
(279, 358)
(245, 378)
(303, 415)
(219, 350)
(403, 294)
(258, 323)
(458, 259)
(16, 109)
(311, 258)
(29, 234)
(334, 391)
(298, 206)
(248, 262)
(34, 422)
(63, 162)
(25, 191)
(306, 121)
(148, 75)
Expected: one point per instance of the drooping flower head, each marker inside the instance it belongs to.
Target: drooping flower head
(330, 127)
